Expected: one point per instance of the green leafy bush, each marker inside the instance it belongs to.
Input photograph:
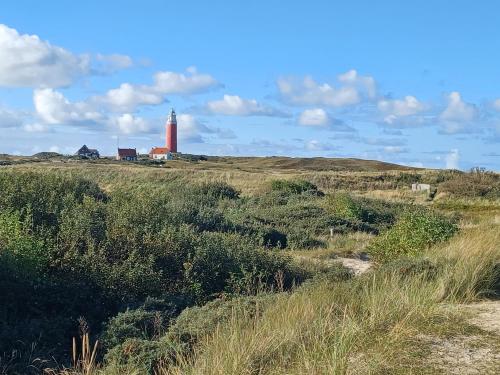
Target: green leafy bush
(295, 187)
(344, 206)
(195, 323)
(415, 230)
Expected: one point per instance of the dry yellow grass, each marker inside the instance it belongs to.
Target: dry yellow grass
(366, 326)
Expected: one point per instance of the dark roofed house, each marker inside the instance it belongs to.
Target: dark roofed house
(129, 154)
(85, 152)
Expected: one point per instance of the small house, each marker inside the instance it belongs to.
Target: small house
(128, 154)
(88, 153)
(160, 153)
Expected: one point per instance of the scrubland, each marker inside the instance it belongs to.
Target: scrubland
(226, 266)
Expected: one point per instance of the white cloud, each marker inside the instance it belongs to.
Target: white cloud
(452, 159)
(128, 97)
(107, 64)
(53, 108)
(36, 128)
(363, 83)
(128, 124)
(394, 149)
(314, 117)
(458, 110)
(178, 83)
(353, 88)
(315, 145)
(395, 109)
(320, 119)
(28, 61)
(192, 131)
(233, 105)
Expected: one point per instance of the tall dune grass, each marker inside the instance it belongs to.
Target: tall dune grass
(365, 326)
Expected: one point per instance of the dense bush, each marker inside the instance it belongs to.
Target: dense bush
(136, 256)
(478, 183)
(377, 213)
(415, 230)
(295, 187)
(194, 324)
(71, 250)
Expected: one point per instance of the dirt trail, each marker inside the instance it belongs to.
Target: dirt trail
(356, 265)
(476, 354)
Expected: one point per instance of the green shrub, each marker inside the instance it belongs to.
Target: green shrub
(141, 356)
(295, 187)
(217, 190)
(147, 322)
(195, 323)
(415, 231)
(344, 206)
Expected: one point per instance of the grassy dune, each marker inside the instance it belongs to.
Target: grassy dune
(366, 326)
(228, 266)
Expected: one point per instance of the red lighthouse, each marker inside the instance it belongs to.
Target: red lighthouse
(172, 132)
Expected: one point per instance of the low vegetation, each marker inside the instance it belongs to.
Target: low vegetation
(175, 274)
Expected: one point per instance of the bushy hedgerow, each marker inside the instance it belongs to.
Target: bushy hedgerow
(190, 327)
(295, 187)
(40, 198)
(377, 213)
(141, 356)
(60, 234)
(478, 183)
(416, 230)
(149, 321)
(197, 322)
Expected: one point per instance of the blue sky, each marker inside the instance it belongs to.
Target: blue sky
(416, 83)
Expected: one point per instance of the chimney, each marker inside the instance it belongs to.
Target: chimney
(172, 132)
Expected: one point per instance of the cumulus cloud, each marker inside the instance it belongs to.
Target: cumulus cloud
(28, 61)
(315, 145)
(191, 130)
(127, 97)
(458, 110)
(128, 124)
(108, 64)
(394, 110)
(458, 115)
(351, 90)
(363, 83)
(394, 149)
(315, 117)
(320, 119)
(178, 83)
(234, 105)
(53, 108)
(452, 159)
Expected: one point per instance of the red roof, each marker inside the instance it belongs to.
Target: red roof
(159, 150)
(127, 152)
